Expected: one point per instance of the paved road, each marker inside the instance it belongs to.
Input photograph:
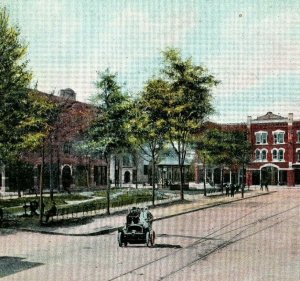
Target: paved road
(254, 239)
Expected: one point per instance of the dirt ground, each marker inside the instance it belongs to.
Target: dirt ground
(253, 239)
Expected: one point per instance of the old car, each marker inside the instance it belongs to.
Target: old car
(137, 229)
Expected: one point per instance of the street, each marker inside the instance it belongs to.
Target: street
(253, 239)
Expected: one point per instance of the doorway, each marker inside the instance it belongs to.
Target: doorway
(127, 177)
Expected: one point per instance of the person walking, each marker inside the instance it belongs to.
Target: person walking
(227, 189)
(232, 187)
(266, 185)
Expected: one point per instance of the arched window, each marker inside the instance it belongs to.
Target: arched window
(257, 155)
(280, 154)
(263, 155)
(274, 154)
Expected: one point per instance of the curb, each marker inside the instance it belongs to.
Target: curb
(113, 229)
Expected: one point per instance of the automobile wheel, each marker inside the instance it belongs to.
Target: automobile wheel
(152, 238)
(148, 239)
(120, 239)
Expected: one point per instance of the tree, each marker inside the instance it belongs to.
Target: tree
(149, 125)
(109, 129)
(225, 147)
(241, 151)
(189, 102)
(14, 82)
(217, 144)
(36, 127)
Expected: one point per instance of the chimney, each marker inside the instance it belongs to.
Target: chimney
(249, 119)
(68, 94)
(290, 118)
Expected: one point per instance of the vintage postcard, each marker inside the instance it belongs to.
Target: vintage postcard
(149, 140)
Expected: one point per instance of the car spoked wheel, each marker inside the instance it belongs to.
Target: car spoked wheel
(148, 239)
(120, 239)
(152, 236)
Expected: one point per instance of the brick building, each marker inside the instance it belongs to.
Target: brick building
(275, 142)
(65, 167)
(276, 150)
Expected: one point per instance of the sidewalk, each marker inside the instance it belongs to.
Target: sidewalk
(107, 224)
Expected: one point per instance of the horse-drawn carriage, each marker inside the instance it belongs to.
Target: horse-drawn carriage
(138, 228)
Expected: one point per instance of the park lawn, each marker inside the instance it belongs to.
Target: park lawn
(119, 197)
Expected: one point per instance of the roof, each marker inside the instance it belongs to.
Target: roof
(171, 159)
(270, 116)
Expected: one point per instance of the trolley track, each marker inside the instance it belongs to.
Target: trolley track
(217, 235)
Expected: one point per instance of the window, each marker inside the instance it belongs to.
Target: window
(127, 160)
(257, 155)
(67, 148)
(264, 155)
(278, 137)
(145, 169)
(298, 156)
(261, 155)
(261, 137)
(274, 153)
(298, 136)
(278, 154)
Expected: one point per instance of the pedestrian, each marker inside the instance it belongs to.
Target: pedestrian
(261, 185)
(227, 190)
(232, 190)
(266, 185)
(51, 212)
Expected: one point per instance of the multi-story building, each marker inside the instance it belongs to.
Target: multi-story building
(276, 150)
(65, 166)
(275, 142)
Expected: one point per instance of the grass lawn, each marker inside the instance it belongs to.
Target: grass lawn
(83, 203)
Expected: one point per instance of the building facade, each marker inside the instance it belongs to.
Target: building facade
(275, 141)
(65, 166)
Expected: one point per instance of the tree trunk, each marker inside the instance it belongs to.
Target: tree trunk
(116, 178)
(181, 178)
(153, 180)
(51, 172)
(18, 181)
(136, 171)
(222, 179)
(41, 203)
(58, 169)
(243, 180)
(204, 181)
(108, 185)
(87, 170)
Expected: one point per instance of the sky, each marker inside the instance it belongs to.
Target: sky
(251, 46)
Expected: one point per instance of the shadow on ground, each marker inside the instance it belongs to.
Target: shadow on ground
(11, 265)
(171, 246)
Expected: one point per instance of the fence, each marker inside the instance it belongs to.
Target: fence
(83, 211)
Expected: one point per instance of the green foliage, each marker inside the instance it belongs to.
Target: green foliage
(109, 130)
(189, 101)
(148, 125)
(183, 99)
(14, 81)
(39, 120)
(229, 148)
